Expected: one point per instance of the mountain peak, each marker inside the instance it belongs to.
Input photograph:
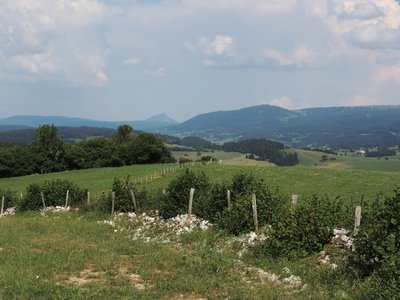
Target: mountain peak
(162, 118)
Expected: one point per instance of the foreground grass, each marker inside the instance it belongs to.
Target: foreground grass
(72, 256)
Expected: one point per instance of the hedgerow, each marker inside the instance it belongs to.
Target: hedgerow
(54, 192)
(377, 252)
(10, 198)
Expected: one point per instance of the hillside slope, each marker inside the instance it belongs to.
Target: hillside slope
(334, 127)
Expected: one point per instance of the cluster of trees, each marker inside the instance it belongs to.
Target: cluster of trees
(382, 151)
(265, 150)
(48, 152)
(70, 134)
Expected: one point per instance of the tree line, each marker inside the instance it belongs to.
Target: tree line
(272, 151)
(49, 153)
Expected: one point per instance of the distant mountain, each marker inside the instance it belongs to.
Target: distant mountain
(156, 122)
(335, 127)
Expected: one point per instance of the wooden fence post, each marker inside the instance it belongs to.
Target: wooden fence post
(88, 198)
(295, 199)
(134, 201)
(43, 201)
(191, 203)
(66, 199)
(255, 217)
(113, 203)
(228, 197)
(2, 206)
(357, 221)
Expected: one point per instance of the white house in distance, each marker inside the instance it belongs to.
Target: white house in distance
(360, 152)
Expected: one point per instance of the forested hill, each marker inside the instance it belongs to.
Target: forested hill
(336, 127)
(69, 134)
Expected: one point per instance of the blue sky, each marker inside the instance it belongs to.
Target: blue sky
(128, 60)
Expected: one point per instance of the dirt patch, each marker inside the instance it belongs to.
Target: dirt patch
(135, 279)
(336, 166)
(182, 296)
(85, 277)
(89, 276)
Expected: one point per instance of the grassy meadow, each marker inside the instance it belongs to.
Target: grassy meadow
(347, 177)
(76, 255)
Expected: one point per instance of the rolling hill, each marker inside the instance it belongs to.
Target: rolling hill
(334, 127)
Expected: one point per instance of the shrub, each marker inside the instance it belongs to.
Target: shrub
(54, 192)
(378, 244)
(122, 187)
(184, 160)
(176, 199)
(239, 218)
(213, 203)
(10, 198)
(304, 228)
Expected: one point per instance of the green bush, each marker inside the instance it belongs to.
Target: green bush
(10, 198)
(122, 187)
(213, 203)
(54, 192)
(239, 217)
(306, 227)
(378, 244)
(176, 199)
(184, 160)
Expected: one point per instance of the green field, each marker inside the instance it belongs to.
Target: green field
(77, 256)
(354, 162)
(303, 181)
(95, 180)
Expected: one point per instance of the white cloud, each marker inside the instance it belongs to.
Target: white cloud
(132, 61)
(377, 35)
(302, 56)
(44, 36)
(221, 45)
(34, 63)
(253, 7)
(160, 72)
(387, 74)
(283, 101)
(101, 78)
(363, 24)
(363, 101)
(361, 10)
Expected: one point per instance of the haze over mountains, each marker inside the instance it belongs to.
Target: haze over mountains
(336, 127)
(20, 122)
(333, 127)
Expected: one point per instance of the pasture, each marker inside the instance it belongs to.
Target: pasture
(75, 256)
(91, 255)
(304, 181)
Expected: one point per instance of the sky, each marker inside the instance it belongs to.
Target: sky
(131, 59)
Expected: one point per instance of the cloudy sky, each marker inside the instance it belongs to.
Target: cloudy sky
(128, 60)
